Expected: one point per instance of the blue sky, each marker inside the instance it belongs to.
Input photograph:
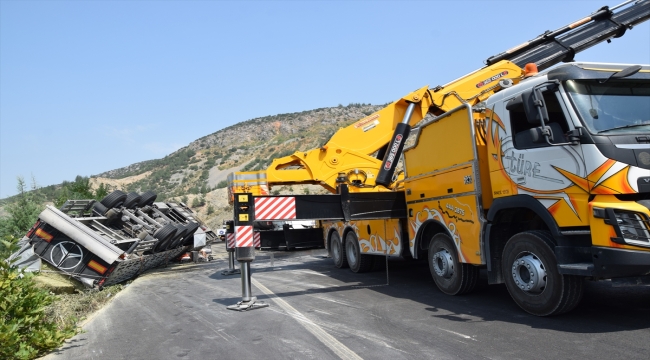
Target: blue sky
(90, 86)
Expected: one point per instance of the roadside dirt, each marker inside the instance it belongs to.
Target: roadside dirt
(117, 183)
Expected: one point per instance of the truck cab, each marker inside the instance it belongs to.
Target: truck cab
(569, 149)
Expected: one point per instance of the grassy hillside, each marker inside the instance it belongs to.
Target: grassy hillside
(203, 165)
(196, 174)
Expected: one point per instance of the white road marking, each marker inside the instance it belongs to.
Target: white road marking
(309, 272)
(459, 334)
(328, 340)
(344, 303)
(322, 312)
(318, 286)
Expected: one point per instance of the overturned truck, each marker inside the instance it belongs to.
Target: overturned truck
(106, 242)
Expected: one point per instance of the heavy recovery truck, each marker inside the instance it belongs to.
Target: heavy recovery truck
(539, 175)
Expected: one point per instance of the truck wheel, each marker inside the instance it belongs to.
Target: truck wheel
(164, 235)
(358, 262)
(532, 278)
(337, 251)
(114, 199)
(147, 198)
(99, 209)
(132, 200)
(189, 235)
(450, 275)
(181, 233)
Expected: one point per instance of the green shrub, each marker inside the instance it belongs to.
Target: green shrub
(25, 331)
(80, 189)
(23, 212)
(222, 184)
(198, 202)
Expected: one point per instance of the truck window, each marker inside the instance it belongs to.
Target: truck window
(520, 124)
(615, 107)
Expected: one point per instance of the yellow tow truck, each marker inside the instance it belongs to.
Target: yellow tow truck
(538, 174)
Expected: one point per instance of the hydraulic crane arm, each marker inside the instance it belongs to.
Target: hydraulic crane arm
(355, 154)
(349, 149)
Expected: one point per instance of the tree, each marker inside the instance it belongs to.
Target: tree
(23, 213)
(80, 189)
(101, 191)
(210, 209)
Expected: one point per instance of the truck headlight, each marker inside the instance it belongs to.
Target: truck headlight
(632, 228)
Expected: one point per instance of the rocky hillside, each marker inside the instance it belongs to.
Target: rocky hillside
(196, 174)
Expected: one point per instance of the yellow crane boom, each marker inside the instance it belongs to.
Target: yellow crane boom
(356, 151)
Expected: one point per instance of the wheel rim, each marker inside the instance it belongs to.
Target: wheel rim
(351, 252)
(529, 273)
(443, 264)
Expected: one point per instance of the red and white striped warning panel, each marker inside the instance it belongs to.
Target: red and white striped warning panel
(257, 240)
(230, 238)
(243, 236)
(275, 208)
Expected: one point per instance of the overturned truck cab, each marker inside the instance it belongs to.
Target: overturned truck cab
(107, 242)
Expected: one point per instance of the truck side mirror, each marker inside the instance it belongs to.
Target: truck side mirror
(534, 106)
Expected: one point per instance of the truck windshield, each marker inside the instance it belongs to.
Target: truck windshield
(615, 107)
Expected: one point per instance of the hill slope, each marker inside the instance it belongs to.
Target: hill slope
(197, 172)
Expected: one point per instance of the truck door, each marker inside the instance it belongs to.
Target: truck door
(537, 168)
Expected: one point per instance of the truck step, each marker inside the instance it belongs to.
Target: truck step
(583, 269)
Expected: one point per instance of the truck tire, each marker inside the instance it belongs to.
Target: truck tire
(99, 209)
(147, 198)
(189, 236)
(337, 251)
(450, 275)
(181, 233)
(164, 235)
(132, 200)
(357, 261)
(114, 199)
(532, 277)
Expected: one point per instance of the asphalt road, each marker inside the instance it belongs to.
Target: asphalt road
(319, 312)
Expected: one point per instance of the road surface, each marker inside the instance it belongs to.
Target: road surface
(319, 312)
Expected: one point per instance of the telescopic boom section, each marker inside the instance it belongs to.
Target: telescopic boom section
(562, 44)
